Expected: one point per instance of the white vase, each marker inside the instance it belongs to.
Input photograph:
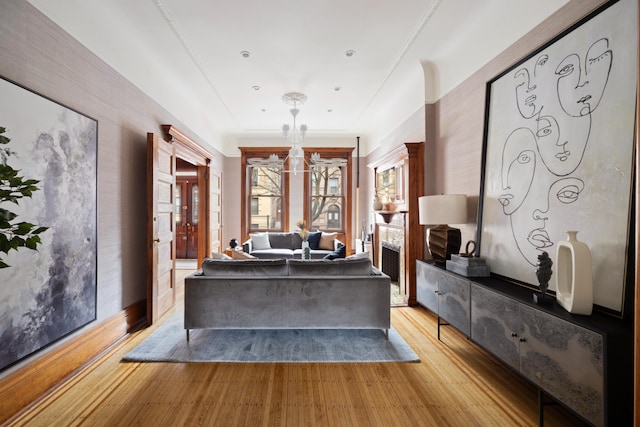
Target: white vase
(306, 254)
(377, 204)
(574, 275)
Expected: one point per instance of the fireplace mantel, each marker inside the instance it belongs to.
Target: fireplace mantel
(407, 164)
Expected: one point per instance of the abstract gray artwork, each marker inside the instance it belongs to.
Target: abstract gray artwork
(47, 293)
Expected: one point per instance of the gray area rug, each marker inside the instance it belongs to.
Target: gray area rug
(169, 344)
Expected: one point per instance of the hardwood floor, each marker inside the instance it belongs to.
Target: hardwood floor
(455, 384)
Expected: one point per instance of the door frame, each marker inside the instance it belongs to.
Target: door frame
(187, 149)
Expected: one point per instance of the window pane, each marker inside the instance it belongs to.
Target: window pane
(267, 214)
(327, 213)
(327, 199)
(194, 204)
(265, 198)
(326, 180)
(178, 204)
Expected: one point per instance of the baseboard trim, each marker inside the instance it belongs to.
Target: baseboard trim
(19, 389)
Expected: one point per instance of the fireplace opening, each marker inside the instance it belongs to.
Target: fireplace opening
(391, 260)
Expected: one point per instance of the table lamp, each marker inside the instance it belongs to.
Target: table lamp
(440, 210)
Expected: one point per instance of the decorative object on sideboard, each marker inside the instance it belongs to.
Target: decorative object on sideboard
(468, 265)
(233, 243)
(543, 273)
(441, 210)
(377, 203)
(575, 276)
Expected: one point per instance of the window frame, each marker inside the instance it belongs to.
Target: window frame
(345, 233)
(246, 180)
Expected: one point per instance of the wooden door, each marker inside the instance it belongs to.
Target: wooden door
(215, 210)
(161, 167)
(187, 215)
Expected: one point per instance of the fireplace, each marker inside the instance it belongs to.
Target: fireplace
(391, 260)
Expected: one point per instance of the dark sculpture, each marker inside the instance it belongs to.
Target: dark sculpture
(543, 273)
(233, 243)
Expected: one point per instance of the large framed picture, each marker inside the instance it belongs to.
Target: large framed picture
(558, 153)
(47, 290)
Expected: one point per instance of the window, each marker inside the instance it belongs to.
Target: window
(327, 191)
(327, 198)
(266, 198)
(264, 192)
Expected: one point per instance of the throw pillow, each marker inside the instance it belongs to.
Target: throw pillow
(326, 241)
(242, 255)
(260, 241)
(314, 239)
(217, 255)
(360, 255)
(341, 252)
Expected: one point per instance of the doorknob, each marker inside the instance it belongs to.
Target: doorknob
(156, 240)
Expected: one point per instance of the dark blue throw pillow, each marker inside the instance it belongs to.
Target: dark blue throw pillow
(314, 239)
(341, 252)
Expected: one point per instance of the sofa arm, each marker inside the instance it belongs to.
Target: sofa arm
(247, 246)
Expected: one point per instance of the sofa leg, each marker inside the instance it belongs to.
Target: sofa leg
(386, 333)
(187, 334)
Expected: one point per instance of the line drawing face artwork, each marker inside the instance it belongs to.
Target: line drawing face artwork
(559, 147)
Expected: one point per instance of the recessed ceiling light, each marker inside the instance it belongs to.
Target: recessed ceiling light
(245, 53)
(350, 53)
(263, 110)
(337, 88)
(256, 87)
(329, 110)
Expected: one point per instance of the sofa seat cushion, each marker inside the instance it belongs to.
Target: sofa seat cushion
(324, 267)
(273, 253)
(244, 267)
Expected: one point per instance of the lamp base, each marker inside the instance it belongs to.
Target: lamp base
(444, 241)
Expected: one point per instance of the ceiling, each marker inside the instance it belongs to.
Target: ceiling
(186, 55)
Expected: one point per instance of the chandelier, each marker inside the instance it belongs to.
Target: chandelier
(294, 135)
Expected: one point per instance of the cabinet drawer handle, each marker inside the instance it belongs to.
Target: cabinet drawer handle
(513, 334)
(523, 340)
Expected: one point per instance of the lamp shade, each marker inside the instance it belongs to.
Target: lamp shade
(443, 209)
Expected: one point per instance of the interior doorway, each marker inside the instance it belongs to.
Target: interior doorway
(186, 210)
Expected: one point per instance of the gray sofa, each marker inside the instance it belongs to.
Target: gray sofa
(287, 294)
(288, 245)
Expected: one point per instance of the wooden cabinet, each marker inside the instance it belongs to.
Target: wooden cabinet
(583, 362)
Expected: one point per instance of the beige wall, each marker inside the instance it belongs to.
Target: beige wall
(454, 125)
(35, 53)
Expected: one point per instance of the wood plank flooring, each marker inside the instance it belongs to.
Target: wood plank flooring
(455, 384)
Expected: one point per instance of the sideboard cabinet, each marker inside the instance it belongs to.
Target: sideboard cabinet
(583, 362)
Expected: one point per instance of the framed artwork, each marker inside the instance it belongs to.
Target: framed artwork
(558, 153)
(50, 291)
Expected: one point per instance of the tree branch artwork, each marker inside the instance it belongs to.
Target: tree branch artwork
(14, 234)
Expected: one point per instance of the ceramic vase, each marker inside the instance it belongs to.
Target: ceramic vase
(306, 251)
(574, 275)
(377, 204)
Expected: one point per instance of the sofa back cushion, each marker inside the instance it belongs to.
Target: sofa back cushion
(325, 267)
(280, 240)
(244, 267)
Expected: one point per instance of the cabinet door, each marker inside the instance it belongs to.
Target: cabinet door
(454, 303)
(496, 324)
(427, 285)
(565, 360)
